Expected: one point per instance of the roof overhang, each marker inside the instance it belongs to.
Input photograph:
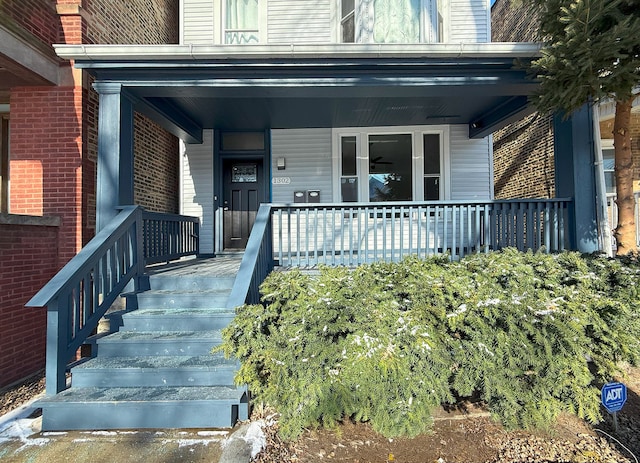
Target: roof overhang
(188, 88)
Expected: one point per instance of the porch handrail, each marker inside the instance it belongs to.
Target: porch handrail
(257, 261)
(78, 296)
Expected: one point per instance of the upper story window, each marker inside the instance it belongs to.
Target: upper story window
(390, 21)
(242, 23)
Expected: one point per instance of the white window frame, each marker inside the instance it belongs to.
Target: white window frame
(606, 144)
(362, 158)
(364, 11)
(220, 8)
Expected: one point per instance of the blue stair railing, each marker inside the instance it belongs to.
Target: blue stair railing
(257, 261)
(79, 295)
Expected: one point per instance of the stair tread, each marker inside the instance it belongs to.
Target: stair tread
(196, 291)
(159, 362)
(144, 394)
(177, 336)
(196, 312)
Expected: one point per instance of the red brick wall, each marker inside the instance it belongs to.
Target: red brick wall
(155, 150)
(53, 146)
(36, 19)
(46, 162)
(155, 167)
(523, 162)
(133, 21)
(29, 256)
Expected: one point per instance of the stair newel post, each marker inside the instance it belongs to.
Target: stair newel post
(140, 282)
(57, 340)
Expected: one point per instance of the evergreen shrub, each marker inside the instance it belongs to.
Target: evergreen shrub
(528, 333)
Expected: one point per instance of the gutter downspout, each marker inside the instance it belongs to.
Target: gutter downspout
(604, 227)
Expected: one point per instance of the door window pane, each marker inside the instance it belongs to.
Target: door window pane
(390, 171)
(241, 22)
(431, 188)
(349, 189)
(431, 166)
(348, 155)
(348, 172)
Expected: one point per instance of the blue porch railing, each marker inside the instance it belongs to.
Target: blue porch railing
(306, 235)
(352, 234)
(79, 295)
(257, 261)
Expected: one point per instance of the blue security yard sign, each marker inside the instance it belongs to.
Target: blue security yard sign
(613, 395)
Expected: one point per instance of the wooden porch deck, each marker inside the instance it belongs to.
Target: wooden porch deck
(220, 265)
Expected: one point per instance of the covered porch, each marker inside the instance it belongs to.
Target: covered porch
(193, 90)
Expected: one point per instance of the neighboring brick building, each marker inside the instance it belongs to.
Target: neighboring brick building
(523, 152)
(523, 162)
(48, 146)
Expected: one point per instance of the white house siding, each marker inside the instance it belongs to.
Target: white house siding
(307, 153)
(198, 19)
(468, 21)
(470, 166)
(299, 21)
(197, 187)
(315, 21)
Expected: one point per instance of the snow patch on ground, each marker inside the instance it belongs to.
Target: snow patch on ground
(20, 430)
(255, 437)
(212, 433)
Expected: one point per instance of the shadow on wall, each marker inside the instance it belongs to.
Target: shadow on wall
(528, 156)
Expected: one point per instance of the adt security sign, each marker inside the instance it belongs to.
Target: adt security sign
(614, 395)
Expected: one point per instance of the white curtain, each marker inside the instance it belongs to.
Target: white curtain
(396, 21)
(242, 21)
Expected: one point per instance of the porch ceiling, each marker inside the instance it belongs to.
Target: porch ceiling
(484, 92)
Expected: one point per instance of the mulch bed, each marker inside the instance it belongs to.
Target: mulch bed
(14, 396)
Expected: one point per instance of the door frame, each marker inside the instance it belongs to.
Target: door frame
(220, 157)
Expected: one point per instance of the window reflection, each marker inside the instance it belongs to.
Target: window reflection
(390, 171)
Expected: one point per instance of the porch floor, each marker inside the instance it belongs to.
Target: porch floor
(223, 265)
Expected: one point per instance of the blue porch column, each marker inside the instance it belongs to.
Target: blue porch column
(575, 177)
(115, 152)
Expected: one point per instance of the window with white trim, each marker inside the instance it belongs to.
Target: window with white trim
(389, 164)
(609, 165)
(390, 21)
(242, 22)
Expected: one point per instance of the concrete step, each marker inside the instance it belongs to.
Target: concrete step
(163, 319)
(190, 282)
(169, 299)
(168, 371)
(140, 343)
(144, 408)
